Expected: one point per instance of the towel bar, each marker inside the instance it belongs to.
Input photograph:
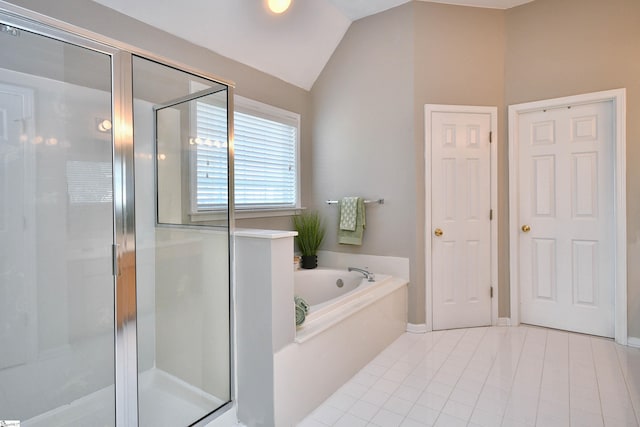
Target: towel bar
(378, 201)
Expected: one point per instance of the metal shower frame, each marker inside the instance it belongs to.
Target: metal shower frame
(124, 255)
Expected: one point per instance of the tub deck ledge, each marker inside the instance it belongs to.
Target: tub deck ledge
(314, 327)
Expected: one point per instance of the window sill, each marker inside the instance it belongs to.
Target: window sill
(245, 214)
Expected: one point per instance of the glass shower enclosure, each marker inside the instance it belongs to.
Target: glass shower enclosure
(183, 268)
(114, 295)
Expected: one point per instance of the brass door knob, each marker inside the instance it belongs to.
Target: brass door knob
(438, 232)
(526, 228)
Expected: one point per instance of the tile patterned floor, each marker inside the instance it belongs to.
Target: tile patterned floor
(498, 376)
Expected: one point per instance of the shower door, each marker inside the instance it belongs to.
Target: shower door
(56, 231)
(182, 253)
(114, 304)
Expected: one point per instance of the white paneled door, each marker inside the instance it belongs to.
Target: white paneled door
(566, 228)
(460, 219)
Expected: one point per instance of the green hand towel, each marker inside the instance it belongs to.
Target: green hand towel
(302, 309)
(348, 213)
(346, 237)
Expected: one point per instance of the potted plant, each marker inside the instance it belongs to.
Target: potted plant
(310, 235)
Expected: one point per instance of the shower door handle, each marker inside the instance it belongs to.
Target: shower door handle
(115, 268)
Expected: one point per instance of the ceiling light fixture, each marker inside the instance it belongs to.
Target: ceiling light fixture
(278, 6)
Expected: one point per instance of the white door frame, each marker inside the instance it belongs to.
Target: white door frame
(493, 112)
(618, 98)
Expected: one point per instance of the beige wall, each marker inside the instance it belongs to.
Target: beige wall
(459, 60)
(368, 105)
(544, 49)
(566, 47)
(363, 137)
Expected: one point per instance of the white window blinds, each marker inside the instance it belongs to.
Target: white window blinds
(211, 158)
(89, 182)
(266, 158)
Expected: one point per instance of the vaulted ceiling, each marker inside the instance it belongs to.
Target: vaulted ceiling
(293, 46)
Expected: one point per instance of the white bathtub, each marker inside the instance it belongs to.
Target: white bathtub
(346, 327)
(329, 303)
(327, 289)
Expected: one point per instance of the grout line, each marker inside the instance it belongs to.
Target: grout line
(544, 358)
(515, 371)
(436, 373)
(569, 373)
(511, 343)
(618, 348)
(458, 380)
(438, 338)
(593, 360)
(494, 355)
(413, 404)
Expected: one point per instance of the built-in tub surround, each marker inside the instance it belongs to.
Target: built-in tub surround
(285, 372)
(341, 334)
(265, 318)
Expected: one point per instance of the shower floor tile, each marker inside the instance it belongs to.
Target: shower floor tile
(168, 401)
(164, 401)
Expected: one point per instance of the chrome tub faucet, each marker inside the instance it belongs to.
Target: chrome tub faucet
(369, 276)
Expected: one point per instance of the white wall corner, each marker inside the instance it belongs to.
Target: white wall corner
(417, 328)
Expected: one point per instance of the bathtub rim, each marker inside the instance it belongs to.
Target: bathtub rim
(357, 277)
(320, 309)
(321, 323)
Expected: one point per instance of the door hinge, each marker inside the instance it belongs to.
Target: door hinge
(491, 291)
(490, 137)
(490, 214)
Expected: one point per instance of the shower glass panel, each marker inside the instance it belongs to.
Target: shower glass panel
(182, 262)
(56, 233)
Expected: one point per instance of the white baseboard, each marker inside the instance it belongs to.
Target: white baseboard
(416, 328)
(504, 321)
(633, 342)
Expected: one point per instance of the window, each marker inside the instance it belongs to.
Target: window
(266, 141)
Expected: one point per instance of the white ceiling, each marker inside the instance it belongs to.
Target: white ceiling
(293, 46)
(356, 9)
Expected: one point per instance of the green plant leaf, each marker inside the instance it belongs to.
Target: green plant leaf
(310, 232)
